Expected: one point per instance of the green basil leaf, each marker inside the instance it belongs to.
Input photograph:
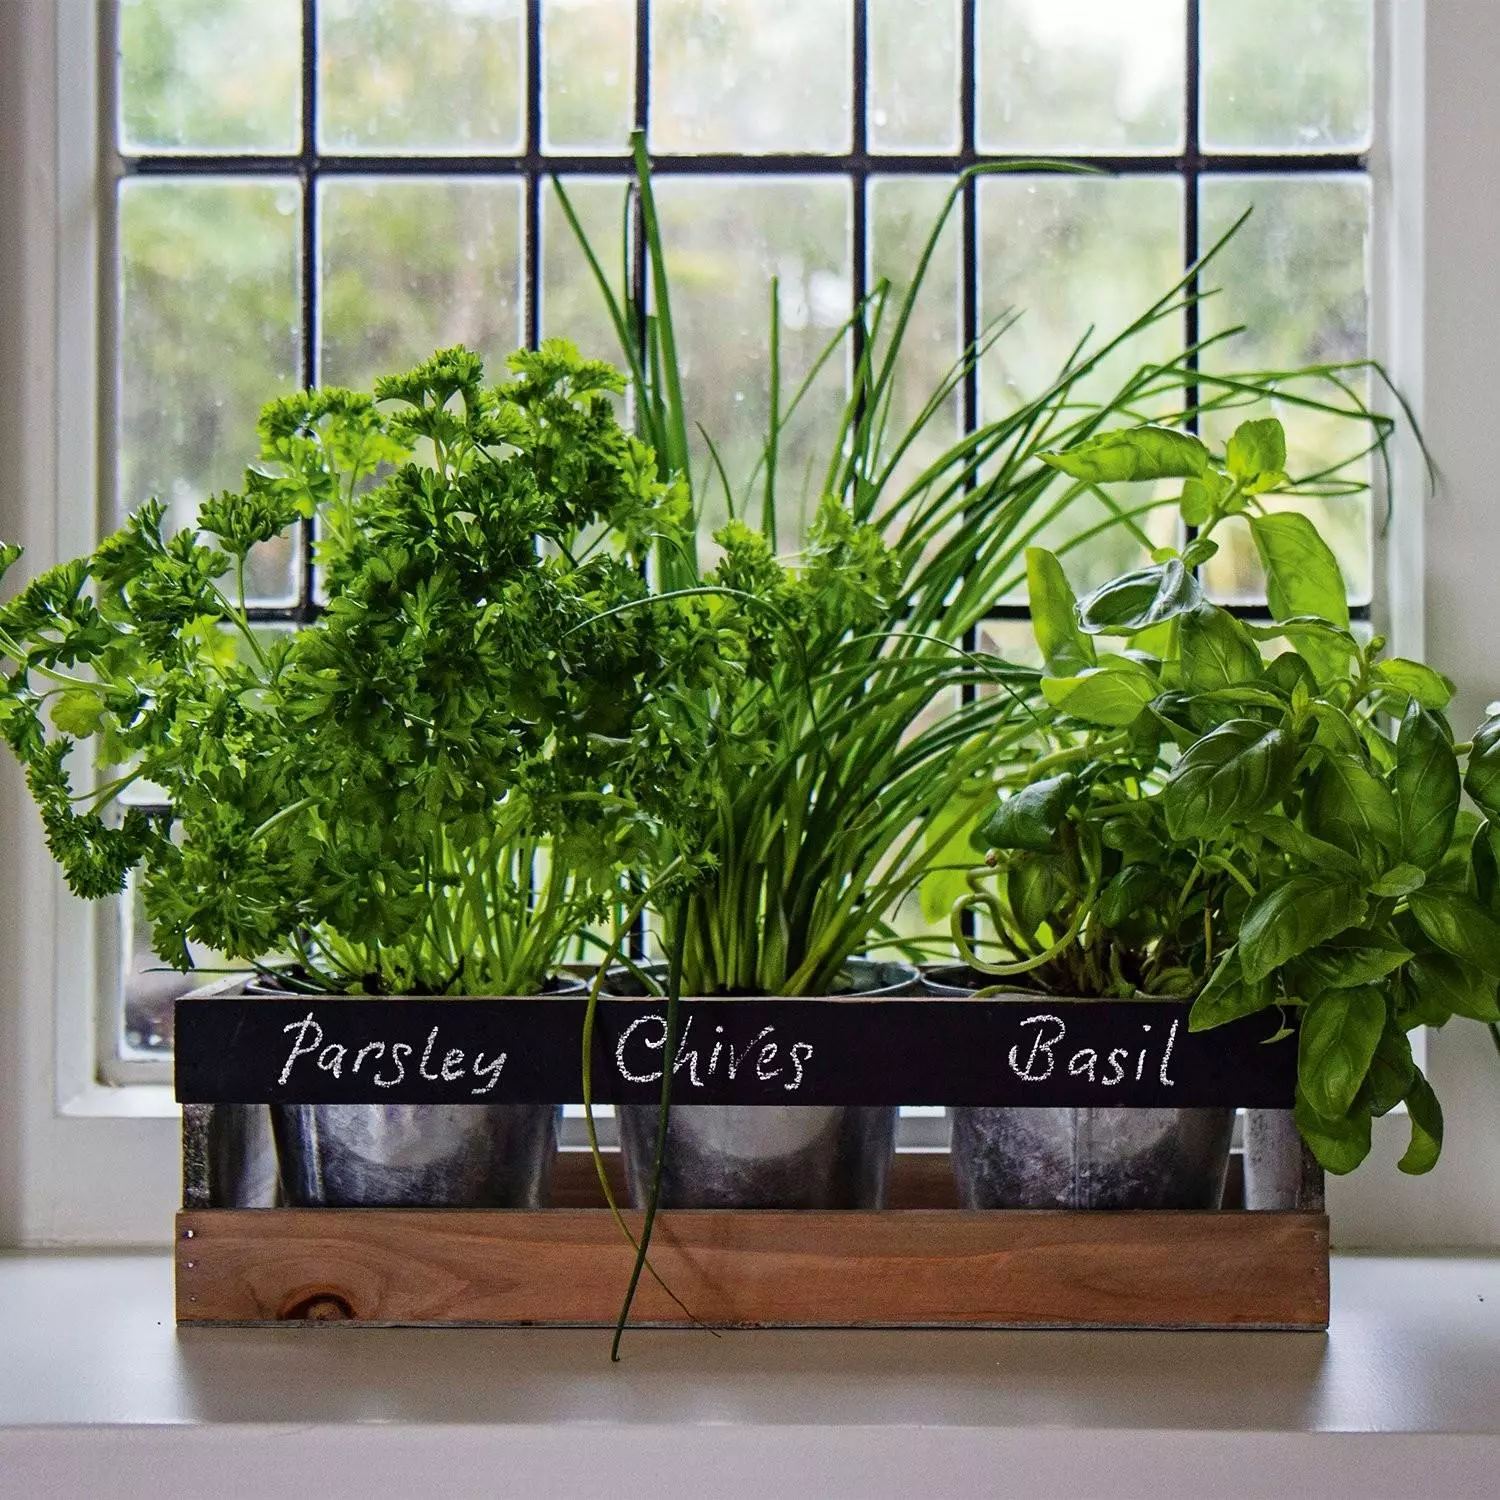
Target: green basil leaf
(1137, 601)
(1302, 574)
(1239, 769)
(1111, 695)
(1420, 683)
(1357, 956)
(1287, 671)
(1201, 496)
(1426, 1129)
(1459, 925)
(1399, 880)
(1294, 915)
(1427, 787)
(1419, 1008)
(1148, 452)
(1257, 447)
(1054, 615)
(1438, 981)
(1392, 1070)
(1339, 1033)
(1292, 838)
(1350, 806)
(1130, 833)
(1272, 479)
(1303, 578)
(1031, 817)
(1035, 889)
(1200, 550)
(1126, 893)
(1485, 863)
(1329, 650)
(1334, 731)
(1482, 777)
(1455, 870)
(1227, 996)
(1216, 651)
(1339, 1145)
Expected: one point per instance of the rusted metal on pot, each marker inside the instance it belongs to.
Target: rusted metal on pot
(1083, 1157)
(767, 1156)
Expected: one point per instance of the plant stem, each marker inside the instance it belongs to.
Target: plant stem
(669, 1052)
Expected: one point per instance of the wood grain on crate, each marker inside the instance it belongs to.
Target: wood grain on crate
(910, 1267)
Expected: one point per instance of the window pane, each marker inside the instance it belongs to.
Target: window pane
(726, 238)
(149, 986)
(750, 75)
(572, 305)
(1080, 75)
(1013, 641)
(588, 73)
(219, 77)
(1297, 276)
(902, 212)
(421, 75)
(913, 84)
(1065, 255)
(1287, 75)
(210, 312)
(412, 266)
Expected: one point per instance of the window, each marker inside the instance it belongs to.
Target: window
(84, 1164)
(320, 190)
(80, 1164)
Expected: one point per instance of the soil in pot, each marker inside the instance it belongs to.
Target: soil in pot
(417, 1155)
(767, 1156)
(1083, 1158)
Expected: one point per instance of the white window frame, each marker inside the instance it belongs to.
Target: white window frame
(85, 1163)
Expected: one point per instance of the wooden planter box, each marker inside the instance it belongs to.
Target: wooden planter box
(921, 1262)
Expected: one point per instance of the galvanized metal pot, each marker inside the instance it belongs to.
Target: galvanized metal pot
(242, 1171)
(767, 1156)
(1083, 1158)
(418, 1155)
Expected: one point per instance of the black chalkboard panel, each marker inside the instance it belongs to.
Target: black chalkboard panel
(1030, 1050)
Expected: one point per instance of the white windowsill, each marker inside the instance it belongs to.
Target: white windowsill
(99, 1394)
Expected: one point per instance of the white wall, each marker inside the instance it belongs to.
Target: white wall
(65, 1177)
(1457, 380)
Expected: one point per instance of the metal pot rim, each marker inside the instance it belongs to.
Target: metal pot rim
(892, 976)
(260, 984)
(944, 981)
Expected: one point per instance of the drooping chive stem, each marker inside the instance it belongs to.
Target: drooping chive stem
(669, 1051)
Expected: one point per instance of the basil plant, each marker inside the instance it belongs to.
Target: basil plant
(1258, 817)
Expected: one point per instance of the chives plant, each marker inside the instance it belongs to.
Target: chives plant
(828, 780)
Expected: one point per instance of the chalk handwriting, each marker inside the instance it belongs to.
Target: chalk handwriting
(647, 1035)
(329, 1057)
(1047, 1045)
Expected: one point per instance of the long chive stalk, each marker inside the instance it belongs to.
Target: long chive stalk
(818, 838)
